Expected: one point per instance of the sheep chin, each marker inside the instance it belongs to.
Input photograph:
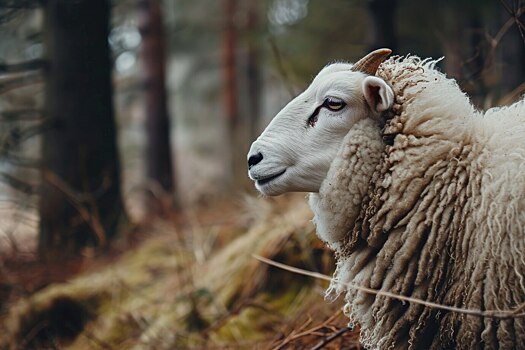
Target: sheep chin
(272, 185)
(288, 181)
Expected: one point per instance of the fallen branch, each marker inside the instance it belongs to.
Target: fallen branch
(518, 311)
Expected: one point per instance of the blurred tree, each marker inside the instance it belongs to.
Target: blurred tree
(236, 125)
(229, 62)
(159, 155)
(80, 202)
(383, 26)
(310, 34)
(9, 9)
(253, 70)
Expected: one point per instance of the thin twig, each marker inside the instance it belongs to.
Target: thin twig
(515, 15)
(19, 185)
(513, 95)
(91, 218)
(500, 314)
(493, 42)
(331, 338)
(299, 333)
(290, 336)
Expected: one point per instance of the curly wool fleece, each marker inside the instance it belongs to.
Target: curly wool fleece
(430, 206)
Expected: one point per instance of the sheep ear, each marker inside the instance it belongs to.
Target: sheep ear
(378, 94)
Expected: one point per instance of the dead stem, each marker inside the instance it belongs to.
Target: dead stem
(499, 314)
(299, 333)
(331, 338)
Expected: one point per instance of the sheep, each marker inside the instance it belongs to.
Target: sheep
(417, 193)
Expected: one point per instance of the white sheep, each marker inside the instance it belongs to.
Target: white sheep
(417, 192)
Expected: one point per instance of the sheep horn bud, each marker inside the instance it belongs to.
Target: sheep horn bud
(371, 62)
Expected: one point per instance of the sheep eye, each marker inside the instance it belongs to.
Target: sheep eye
(334, 103)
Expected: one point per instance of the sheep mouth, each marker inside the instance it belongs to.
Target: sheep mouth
(267, 179)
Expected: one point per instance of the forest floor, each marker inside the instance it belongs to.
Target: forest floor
(188, 282)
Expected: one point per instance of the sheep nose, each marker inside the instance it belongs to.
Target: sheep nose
(254, 160)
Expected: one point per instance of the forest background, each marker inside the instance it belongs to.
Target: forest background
(124, 129)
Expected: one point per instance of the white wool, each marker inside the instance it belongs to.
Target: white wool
(448, 197)
(363, 141)
(425, 200)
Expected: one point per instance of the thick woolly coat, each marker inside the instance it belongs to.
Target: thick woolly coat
(430, 201)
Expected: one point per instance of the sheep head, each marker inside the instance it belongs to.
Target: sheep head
(295, 151)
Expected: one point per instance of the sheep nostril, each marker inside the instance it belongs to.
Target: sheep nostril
(254, 160)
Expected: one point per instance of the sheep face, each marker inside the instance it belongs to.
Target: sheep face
(295, 151)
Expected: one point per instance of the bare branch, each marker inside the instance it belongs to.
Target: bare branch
(90, 217)
(513, 95)
(507, 8)
(493, 42)
(17, 184)
(500, 314)
(15, 136)
(7, 15)
(10, 9)
(19, 81)
(515, 14)
(35, 64)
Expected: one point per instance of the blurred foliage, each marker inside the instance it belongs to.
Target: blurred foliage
(294, 40)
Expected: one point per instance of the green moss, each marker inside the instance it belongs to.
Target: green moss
(260, 317)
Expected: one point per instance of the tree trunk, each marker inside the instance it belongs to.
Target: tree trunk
(253, 70)
(80, 202)
(159, 156)
(230, 76)
(236, 125)
(382, 13)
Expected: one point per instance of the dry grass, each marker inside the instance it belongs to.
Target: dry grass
(197, 288)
